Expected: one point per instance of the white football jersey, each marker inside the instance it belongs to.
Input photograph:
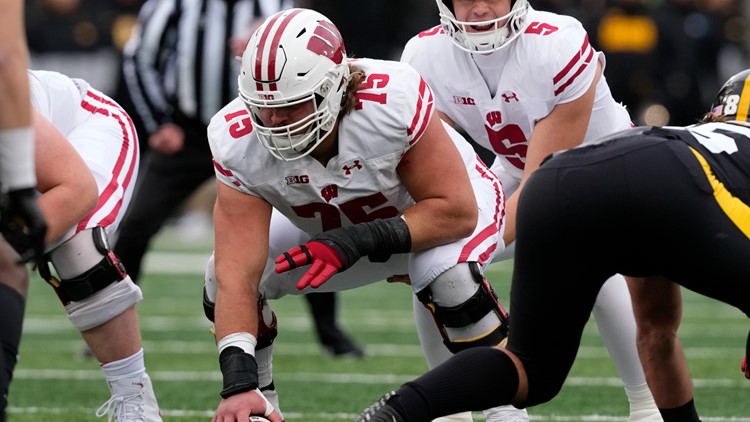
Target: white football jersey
(359, 184)
(102, 134)
(57, 97)
(550, 63)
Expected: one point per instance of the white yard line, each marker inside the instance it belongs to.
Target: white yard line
(177, 413)
(340, 378)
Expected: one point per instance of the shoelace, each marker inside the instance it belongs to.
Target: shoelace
(122, 408)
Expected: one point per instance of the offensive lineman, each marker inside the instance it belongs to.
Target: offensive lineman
(672, 203)
(19, 212)
(523, 84)
(324, 160)
(87, 162)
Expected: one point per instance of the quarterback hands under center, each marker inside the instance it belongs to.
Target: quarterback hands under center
(336, 250)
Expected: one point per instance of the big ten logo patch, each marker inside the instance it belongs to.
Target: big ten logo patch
(297, 180)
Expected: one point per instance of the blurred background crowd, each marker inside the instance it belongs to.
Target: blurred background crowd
(665, 58)
(673, 53)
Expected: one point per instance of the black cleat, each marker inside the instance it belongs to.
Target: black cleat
(381, 411)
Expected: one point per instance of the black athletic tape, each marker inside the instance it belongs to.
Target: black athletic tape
(290, 261)
(240, 371)
(307, 253)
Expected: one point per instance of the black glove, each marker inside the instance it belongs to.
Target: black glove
(22, 223)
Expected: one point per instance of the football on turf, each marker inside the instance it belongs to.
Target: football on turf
(258, 419)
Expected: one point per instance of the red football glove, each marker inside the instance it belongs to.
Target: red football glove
(324, 259)
(745, 367)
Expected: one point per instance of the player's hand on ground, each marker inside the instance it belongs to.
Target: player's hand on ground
(239, 408)
(23, 224)
(324, 262)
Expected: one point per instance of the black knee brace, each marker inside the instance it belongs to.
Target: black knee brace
(472, 310)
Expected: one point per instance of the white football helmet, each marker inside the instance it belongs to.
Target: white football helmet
(504, 29)
(296, 55)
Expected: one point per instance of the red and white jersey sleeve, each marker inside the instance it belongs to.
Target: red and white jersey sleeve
(550, 63)
(360, 183)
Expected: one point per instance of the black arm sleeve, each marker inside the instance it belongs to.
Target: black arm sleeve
(377, 239)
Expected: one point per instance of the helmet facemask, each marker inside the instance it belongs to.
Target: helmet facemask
(501, 30)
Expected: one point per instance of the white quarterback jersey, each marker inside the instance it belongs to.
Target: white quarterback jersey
(102, 134)
(550, 63)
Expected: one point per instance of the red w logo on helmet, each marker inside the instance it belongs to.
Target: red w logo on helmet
(326, 41)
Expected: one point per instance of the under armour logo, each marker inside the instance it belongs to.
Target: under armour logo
(355, 165)
(329, 192)
(512, 96)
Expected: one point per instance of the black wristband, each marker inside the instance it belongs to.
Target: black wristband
(240, 371)
(378, 239)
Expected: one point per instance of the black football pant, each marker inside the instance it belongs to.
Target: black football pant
(640, 207)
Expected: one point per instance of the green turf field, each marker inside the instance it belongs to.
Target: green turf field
(53, 383)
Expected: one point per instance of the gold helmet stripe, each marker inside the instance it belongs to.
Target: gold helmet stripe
(744, 101)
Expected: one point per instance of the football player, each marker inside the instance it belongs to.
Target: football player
(322, 161)
(524, 83)
(668, 206)
(19, 212)
(86, 165)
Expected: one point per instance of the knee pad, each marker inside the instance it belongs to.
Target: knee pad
(93, 284)
(209, 307)
(465, 308)
(104, 305)
(267, 331)
(267, 325)
(209, 289)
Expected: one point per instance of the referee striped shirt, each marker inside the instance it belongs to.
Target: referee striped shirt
(179, 58)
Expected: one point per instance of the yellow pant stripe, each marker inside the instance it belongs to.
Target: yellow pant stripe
(736, 210)
(744, 101)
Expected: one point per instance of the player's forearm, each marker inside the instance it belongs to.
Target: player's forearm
(14, 62)
(64, 206)
(436, 222)
(511, 206)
